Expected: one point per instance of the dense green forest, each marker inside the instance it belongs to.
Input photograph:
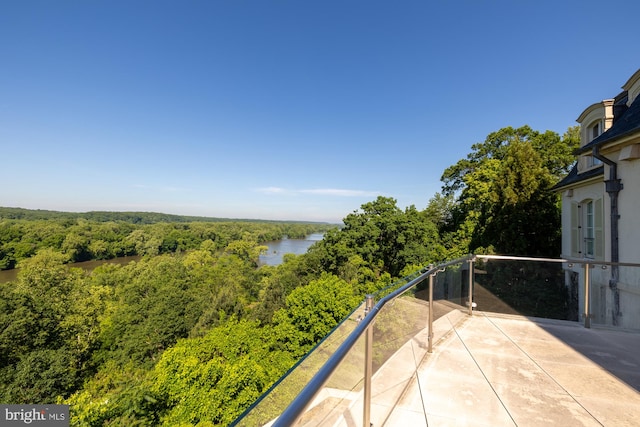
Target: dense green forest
(193, 332)
(107, 235)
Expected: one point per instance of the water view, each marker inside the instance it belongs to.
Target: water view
(11, 275)
(273, 256)
(277, 248)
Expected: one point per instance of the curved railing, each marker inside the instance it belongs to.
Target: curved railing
(374, 352)
(301, 402)
(348, 335)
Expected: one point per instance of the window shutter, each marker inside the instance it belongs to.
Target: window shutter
(575, 230)
(598, 229)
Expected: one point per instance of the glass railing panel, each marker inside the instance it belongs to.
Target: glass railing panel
(401, 334)
(599, 311)
(339, 402)
(344, 382)
(614, 295)
(628, 289)
(395, 286)
(274, 401)
(523, 287)
(400, 342)
(451, 286)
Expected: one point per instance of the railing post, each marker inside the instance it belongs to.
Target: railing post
(368, 366)
(430, 339)
(471, 264)
(587, 285)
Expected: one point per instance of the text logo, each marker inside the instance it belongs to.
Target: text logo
(37, 415)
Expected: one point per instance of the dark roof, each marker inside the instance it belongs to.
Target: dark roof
(575, 177)
(628, 123)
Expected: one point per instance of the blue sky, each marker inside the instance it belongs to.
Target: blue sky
(292, 110)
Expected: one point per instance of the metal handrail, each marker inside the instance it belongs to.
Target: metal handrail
(592, 261)
(522, 258)
(298, 406)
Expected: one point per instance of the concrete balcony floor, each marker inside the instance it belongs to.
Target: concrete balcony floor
(496, 370)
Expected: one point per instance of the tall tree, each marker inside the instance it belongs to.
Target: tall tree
(39, 337)
(384, 236)
(502, 189)
(520, 207)
(210, 380)
(312, 311)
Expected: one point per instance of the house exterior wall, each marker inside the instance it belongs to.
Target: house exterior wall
(593, 190)
(629, 207)
(629, 244)
(619, 307)
(614, 290)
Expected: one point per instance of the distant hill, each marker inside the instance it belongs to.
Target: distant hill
(130, 217)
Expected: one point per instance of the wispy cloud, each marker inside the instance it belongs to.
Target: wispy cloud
(332, 192)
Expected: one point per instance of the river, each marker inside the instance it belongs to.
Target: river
(273, 256)
(10, 275)
(277, 248)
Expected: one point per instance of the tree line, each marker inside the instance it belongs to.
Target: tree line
(131, 217)
(110, 235)
(195, 331)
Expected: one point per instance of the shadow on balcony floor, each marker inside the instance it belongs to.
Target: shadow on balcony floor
(500, 370)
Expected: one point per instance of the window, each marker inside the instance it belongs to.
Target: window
(594, 131)
(592, 161)
(589, 230)
(587, 239)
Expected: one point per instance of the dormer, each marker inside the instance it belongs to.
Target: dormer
(593, 121)
(632, 87)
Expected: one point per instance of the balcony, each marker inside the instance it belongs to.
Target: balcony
(481, 341)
